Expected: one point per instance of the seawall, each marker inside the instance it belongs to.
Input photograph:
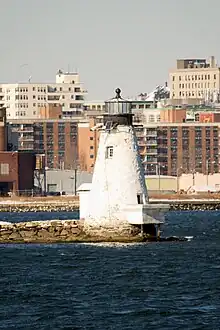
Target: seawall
(72, 205)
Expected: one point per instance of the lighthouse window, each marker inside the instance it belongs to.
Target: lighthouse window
(139, 199)
(109, 152)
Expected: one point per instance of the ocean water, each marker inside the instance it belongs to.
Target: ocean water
(171, 285)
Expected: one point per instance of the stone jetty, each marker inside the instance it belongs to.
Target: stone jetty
(194, 205)
(39, 206)
(54, 231)
(64, 231)
(40, 231)
(68, 205)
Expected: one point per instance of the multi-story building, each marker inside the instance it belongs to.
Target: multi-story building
(23, 100)
(88, 140)
(66, 143)
(57, 139)
(95, 106)
(177, 148)
(195, 81)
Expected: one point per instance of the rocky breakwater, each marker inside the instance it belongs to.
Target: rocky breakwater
(56, 231)
(195, 205)
(40, 231)
(63, 231)
(40, 206)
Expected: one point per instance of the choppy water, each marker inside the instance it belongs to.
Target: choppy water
(115, 286)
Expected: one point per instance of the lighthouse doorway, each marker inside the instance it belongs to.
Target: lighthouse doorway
(139, 198)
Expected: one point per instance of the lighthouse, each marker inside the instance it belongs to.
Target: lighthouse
(117, 203)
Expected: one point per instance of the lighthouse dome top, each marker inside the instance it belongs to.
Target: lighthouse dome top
(117, 105)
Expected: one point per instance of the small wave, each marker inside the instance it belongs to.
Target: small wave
(189, 238)
(113, 244)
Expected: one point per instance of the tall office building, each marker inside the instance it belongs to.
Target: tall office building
(195, 81)
(23, 100)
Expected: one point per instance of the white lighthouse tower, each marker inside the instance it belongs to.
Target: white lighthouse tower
(118, 200)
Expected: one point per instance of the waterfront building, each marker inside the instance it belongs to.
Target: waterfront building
(176, 148)
(16, 168)
(23, 100)
(57, 139)
(195, 81)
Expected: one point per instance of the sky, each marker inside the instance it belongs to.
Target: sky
(131, 44)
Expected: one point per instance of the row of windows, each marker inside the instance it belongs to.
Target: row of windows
(20, 97)
(94, 107)
(195, 77)
(42, 89)
(25, 105)
(186, 94)
(140, 106)
(195, 85)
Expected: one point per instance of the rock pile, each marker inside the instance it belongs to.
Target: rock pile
(39, 207)
(40, 231)
(195, 206)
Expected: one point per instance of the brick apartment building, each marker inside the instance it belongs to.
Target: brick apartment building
(16, 168)
(173, 149)
(66, 143)
(170, 147)
(16, 171)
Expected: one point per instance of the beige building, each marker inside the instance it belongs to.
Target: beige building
(195, 81)
(23, 100)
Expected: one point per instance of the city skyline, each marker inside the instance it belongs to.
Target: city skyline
(111, 43)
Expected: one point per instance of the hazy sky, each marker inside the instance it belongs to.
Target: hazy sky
(127, 43)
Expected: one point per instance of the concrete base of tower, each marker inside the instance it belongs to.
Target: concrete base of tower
(141, 221)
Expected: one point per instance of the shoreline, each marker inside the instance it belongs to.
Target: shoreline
(64, 231)
(71, 204)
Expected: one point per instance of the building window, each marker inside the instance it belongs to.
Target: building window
(4, 169)
(151, 119)
(91, 156)
(214, 76)
(109, 152)
(91, 147)
(91, 138)
(173, 78)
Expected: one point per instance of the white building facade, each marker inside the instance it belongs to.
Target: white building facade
(23, 100)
